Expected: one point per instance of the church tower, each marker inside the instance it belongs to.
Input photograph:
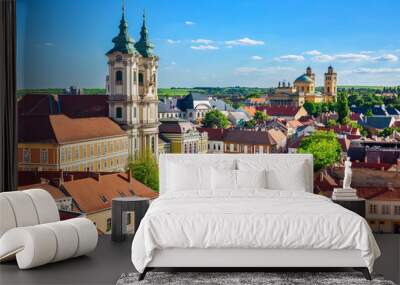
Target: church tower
(131, 88)
(330, 87)
(310, 74)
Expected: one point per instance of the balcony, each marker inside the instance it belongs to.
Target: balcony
(110, 259)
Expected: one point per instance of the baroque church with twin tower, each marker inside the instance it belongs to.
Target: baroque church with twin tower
(132, 88)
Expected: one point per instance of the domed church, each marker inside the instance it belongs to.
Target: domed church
(303, 90)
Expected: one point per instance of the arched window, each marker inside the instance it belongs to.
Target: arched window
(329, 89)
(118, 113)
(141, 80)
(118, 77)
(153, 144)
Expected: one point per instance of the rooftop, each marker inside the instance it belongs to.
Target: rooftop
(249, 137)
(287, 111)
(62, 129)
(96, 193)
(303, 79)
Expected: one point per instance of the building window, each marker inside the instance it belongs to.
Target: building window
(105, 148)
(118, 77)
(134, 77)
(84, 151)
(385, 209)
(44, 156)
(69, 154)
(134, 112)
(62, 155)
(108, 224)
(118, 113)
(141, 79)
(91, 150)
(372, 209)
(105, 163)
(103, 198)
(111, 147)
(128, 218)
(27, 155)
(153, 145)
(397, 210)
(77, 153)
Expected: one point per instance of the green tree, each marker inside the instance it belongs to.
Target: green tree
(330, 123)
(145, 170)
(260, 116)
(215, 118)
(250, 124)
(343, 109)
(324, 146)
(388, 132)
(369, 113)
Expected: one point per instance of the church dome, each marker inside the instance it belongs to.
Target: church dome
(303, 79)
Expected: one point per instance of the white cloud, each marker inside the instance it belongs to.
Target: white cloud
(355, 57)
(49, 44)
(173, 63)
(257, 57)
(374, 70)
(204, 47)
(290, 57)
(313, 52)
(244, 42)
(229, 46)
(342, 57)
(366, 51)
(323, 58)
(386, 57)
(202, 41)
(271, 69)
(169, 41)
(352, 57)
(189, 23)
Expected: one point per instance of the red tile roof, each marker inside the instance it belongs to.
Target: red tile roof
(54, 191)
(294, 124)
(214, 134)
(62, 129)
(344, 143)
(94, 194)
(71, 105)
(249, 137)
(279, 110)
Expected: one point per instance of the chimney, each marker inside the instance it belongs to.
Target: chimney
(128, 175)
(61, 177)
(97, 176)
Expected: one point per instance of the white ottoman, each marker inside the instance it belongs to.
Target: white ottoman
(31, 231)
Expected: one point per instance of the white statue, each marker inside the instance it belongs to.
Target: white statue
(348, 173)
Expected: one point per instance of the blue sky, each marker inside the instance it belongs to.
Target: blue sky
(212, 42)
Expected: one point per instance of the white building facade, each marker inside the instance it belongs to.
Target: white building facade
(132, 89)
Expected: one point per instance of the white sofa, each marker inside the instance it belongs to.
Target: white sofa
(31, 230)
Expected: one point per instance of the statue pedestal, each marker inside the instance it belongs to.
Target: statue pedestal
(344, 194)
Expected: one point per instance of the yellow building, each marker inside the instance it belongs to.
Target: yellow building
(303, 90)
(55, 142)
(183, 136)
